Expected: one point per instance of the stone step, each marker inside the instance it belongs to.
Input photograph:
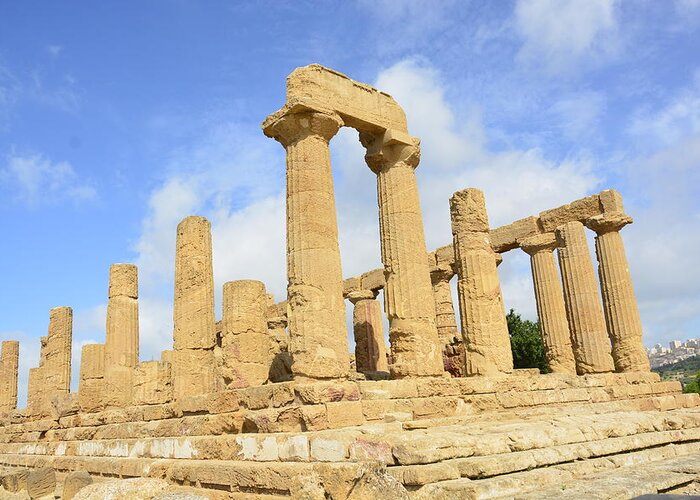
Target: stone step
(554, 480)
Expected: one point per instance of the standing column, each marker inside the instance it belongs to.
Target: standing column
(484, 326)
(445, 319)
(619, 302)
(121, 349)
(550, 302)
(194, 323)
(370, 349)
(317, 329)
(583, 310)
(245, 341)
(57, 369)
(9, 364)
(408, 294)
(92, 370)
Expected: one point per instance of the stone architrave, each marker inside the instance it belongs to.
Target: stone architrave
(194, 335)
(245, 340)
(121, 350)
(583, 308)
(619, 301)
(368, 328)
(550, 302)
(92, 370)
(444, 309)
(408, 295)
(9, 364)
(316, 318)
(484, 327)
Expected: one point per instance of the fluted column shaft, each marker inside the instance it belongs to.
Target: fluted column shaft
(122, 340)
(408, 294)
(9, 364)
(583, 309)
(619, 301)
(368, 327)
(318, 334)
(58, 350)
(445, 318)
(483, 317)
(550, 303)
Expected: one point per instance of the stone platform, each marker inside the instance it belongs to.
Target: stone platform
(478, 437)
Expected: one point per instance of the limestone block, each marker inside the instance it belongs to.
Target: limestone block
(445, 319)
(583, 308)
(15, 481)
(611, 201)
(9, 364)
(92, 361)
(133, 489)
(445, 255)
(579, 210)
(484, 328)
(41, 482)
(351, 285)
(373, 280)
(360, 105)
(193, 372)
(368, 328)
(118, 386)
(73, 482)
(194, 322)
(58, 350)
(90, 395)
(506, 237)
(246, 344)
(152, 383)
(122, 339)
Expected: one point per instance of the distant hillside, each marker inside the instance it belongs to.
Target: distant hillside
(690, 365)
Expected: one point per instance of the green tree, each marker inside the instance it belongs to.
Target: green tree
(526, 343)
(693, 386)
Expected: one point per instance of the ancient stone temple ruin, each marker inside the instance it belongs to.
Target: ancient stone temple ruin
(265, 402)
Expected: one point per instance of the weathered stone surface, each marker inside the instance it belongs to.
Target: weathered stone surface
(41, 482)
(551, 309)
(484, 328)
(247, 351)
(133, 489)
(583, 308)
(74, 482)
(445, 319)
(368, 327)
(579, 210)
(318, 343)
(152, 383)
(15, 481)
(619, 302)
(506, 237)
(408, 296)
(193, 372)
(9, 363)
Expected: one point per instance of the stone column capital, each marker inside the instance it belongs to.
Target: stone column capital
(608, 222)
(545, 242)
(390, 148)
(357, 295)
(294, 123)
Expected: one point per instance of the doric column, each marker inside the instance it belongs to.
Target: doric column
(92, 371)
(245, 341)
(445, 319)
(583, 310)
(370, 349)
(9, 364)
(619, 301)
(484, 326)
(194, 333)
(317, 329)
(58, 351)
(408, 294)
(550, 302)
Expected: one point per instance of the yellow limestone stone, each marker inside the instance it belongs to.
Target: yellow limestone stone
(444, 309)
(318, 334)
(484, 327)
(408, 293)
(619, 301)
(92, 369)
(550, 303)
(583, 310)
(9, 363)
(194, 333)
(368, 328)
(245, 341)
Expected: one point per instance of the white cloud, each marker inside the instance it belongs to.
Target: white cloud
(54, 49)
(36, 180)
(559, 34)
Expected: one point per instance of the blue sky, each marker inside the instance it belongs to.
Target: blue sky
(117, 119)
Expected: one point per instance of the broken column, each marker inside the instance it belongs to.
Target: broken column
(484, 326)
(368, 328)
(583, 310)
(408, 296)
(549, 296)
(92, 370)
(194, 333)
(245, 341)
(121, 349)
(445, 319)
(619, 301)
(318, 334)
(9, 364)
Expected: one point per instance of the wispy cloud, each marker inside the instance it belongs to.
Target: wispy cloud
(36, 180)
